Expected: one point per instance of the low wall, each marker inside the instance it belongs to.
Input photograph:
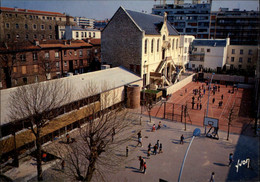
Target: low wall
(229, 78)
(177, 86)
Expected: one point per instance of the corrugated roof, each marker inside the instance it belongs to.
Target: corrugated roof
(210, 42)
(112, 78)
(151, 24)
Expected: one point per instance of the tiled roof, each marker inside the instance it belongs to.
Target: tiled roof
(151, 24)
(95, 41)
(210, 42)
(31, 11)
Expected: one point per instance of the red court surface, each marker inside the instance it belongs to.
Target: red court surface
(240, 100)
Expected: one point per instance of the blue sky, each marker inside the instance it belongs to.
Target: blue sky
(101, 9)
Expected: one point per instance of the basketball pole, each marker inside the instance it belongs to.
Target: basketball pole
(208, 102)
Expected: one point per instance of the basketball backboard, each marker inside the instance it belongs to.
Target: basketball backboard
(211, 121)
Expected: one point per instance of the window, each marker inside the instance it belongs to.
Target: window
(65, 53)
(82, 34)
(249, 60)
(34, 26)
(76, 62)
(47, 55)
(35, 56)
(173, 44)
(202, 49)
(145, 46)
(43, 36)
(233, 51)
(65, 63)
(163, 37)
(232, 59)
(17, 25)
(75, 52)
(158, 45)
(56, 54)
(23, 57)
(14, 69)
(77, 34)
(208, 50)
(23, 70)
(25, 80)
(94, 34)
(89, 34)
(185, 40)
(185, 50)
(240, 60)
(50, 27)
(239, 66)
(8, 36)
(241, 51)
(195, 49)
(43, 17)
(35, 68)
(26, 26)
(27, 36)
(57, 64)
(81, 62)
(85, 34)
(7, 25)
(80, 53)
(17, 36)
(152, 46)
(42, 27)
(250, 52)
(177, 44)
(35, 36)
(50, 36)
(60, 19)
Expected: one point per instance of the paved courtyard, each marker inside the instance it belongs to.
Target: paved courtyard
(205, 156)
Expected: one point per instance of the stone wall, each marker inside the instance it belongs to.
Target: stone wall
(121, 42)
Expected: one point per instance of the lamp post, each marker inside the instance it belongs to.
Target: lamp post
(196, 132)
(208, 100)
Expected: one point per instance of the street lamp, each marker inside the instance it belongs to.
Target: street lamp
(196, 132)
(208, 100)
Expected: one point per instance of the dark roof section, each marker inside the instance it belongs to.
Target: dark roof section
(151, 24)
(207, 42)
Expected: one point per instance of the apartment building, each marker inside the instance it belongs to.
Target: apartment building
(242, 57)
(85, 22)
(77, 33)
(242, 27)
(188, 18)
(208, 53)
(23, 24)
(185, 43)
(29, 62)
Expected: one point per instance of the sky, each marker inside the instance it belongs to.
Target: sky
(105, 9)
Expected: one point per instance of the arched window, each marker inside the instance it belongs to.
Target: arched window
(173, 44)
(177, 44)
(164, 37)
(158, 45)
(152, 46)
(145, 46)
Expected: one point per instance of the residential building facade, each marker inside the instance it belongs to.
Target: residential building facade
(185, 43)
(208, 53)
(242, 27)
(145, 44)
(242, 57)
(187, 18)
(23, 24)
(30, 62)
(85, 22)
(77, 33)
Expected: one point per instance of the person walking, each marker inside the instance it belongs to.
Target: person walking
(155, 149)
(140, 142)
(153, 128)
(158, 144)
(126, 151)
(44, 157)
(212, 178)
(145, 167)
(149, 146)
(160, 148)
(230, 159)
(141, 163)
(159, 125)
(213, 100)
(139, 135)
(182, 139)
(148, 153)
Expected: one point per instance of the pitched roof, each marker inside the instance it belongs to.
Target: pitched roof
(210, 42)
(31, 11)
(151, 24)
(95, 41)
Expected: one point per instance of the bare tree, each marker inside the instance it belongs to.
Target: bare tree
(102, 141)
(149, 104)
(38, 103)
(231, 117)
(46, 65)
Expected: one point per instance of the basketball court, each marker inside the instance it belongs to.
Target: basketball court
(178, 107)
